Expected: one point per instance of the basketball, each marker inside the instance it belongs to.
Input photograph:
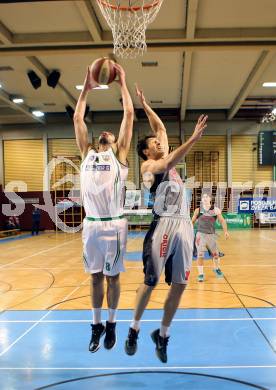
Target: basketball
(103, 71)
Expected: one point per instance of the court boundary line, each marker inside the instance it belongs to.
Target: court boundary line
(139, 368)
(267, 238)
(129, 267)
(37, 253)
(41, 319)
(147, 320)
(250, 315)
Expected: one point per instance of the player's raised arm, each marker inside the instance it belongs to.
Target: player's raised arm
(156, 124)
(79, 124)
(126, 129)
(170, 161)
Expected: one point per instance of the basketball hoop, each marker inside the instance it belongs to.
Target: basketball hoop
(128, 20)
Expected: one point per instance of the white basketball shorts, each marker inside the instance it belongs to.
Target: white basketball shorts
(104, 245)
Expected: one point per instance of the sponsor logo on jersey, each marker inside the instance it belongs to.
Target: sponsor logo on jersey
(106, 158)
(164, 245)
(99, 167)
(102, 167)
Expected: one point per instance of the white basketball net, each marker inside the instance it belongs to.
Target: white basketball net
(128, 20)
(269, 117)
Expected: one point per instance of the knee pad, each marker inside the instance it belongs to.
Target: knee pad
(151, 280)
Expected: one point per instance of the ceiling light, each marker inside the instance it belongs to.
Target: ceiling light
(17, 100)
(1, 85)
(80, 87)
(38, 113)
(102, 87)
(270, 84)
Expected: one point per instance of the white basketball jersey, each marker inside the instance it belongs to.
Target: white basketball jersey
(102, 184)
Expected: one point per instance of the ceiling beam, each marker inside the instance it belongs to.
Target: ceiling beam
(185, 83)
(187, 58)
(169, 35)
(222, 34)
(89, 16)
(7, 38)
(191, 18)
(260, 66)
(174, 35)
(44, 72)
(103, 49)
(52, 38)
(5, 97)
(5, 34)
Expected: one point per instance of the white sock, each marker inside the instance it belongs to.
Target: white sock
(164, 331)
(200, 269)
(96, 315)
(112, 315)
(135, 325)
(216, 263)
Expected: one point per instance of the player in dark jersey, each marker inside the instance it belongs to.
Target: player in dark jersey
(206, 216)
(165, 245)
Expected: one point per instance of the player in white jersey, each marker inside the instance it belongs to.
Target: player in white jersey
(103, 173)
(169, 242)
(206, 216)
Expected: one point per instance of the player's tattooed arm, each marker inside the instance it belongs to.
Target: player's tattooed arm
(196, 212)
(156, 124)
(170, 161)
(79, 124)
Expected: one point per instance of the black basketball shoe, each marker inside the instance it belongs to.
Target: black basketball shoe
(161, 345)
(131, 341)
(110, 335)
(98, 331)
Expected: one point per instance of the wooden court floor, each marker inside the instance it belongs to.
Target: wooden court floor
(46, 272)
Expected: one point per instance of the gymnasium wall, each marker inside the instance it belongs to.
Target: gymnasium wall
(23, 161)
(208, 144)
(25, 217)
(245, 161)
(24, 148)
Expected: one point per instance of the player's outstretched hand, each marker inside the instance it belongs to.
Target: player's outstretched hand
(89, 82)
(226, 235)
(140, 94)
(120, 73)
(200, 127)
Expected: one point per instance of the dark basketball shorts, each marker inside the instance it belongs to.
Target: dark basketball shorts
(168, 244)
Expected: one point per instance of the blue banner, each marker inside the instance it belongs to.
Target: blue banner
(256, 205)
